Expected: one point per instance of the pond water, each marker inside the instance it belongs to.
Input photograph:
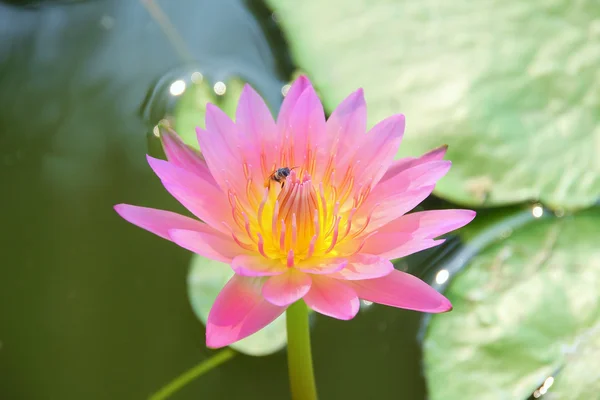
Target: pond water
(94, 308)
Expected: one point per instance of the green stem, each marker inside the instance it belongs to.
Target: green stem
(302, 379)
(191, 374)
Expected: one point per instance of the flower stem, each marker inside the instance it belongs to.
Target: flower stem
(191, 374)
(302, 379)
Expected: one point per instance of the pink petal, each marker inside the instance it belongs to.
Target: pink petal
(349, 120)
(283, 290)
(425, 174)
(432, 223)
(183, 156)
(203, 199)
(221, 127)
(257, 130)
(389, 208)
(332, 297)
(306, 124)
(223, 148)
(344, 129)
(378, 149)
(364, 266)
(409, 162)
(322, 266)
(401, 290)
(238, 312)
(257, 265)
(414, 246)
(289, 102)
(210, 244)
(254, 118)
(415, 232)
(414, 181)
(156, 221)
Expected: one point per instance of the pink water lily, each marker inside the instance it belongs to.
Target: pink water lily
(325, 233)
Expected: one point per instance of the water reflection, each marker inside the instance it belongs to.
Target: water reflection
(220, 88)
(537, 211)
(542, 390)
(177, 88)
(442, 276)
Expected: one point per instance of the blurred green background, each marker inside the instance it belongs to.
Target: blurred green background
(94, 308)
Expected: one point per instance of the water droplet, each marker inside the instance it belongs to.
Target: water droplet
(442, 276)
(197, 77)
(537, 211)
(177, 88)
(220, 88)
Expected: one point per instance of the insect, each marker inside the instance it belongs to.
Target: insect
(279, 175)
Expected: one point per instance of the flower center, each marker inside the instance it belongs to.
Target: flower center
(295, 218)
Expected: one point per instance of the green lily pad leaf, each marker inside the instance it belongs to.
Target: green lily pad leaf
(577, 379)
(520, 308)
(512, 87)
(206, 278)
(191, 107)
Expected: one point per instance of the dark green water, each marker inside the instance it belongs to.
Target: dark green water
(92, 307)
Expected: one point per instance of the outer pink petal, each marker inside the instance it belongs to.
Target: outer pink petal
(322, 266)
(393, 198)
(257, 130)
(364, 266)
(257, 265)
(183, 156)
(344, 129)
(222, 128)
(223, 148)
(389, 208)
(414, 246)
(349, 120)
(239, 311)
(425, 174)
(213, 245)
(412, 182)
(289, 102)
(283, 290)
(377, 149)
(200, 197)
(401, 290)
(156, 221)
(415, 232)
(332, 297)
(409, 162)
(306, 124)
(254, 118)
(432, 223)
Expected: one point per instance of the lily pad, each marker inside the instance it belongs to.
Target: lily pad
(191, 106)
(206, 278)
(521, 307)
(580, 378)
(512, 87)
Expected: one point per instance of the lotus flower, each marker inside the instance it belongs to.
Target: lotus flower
(302, 208)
